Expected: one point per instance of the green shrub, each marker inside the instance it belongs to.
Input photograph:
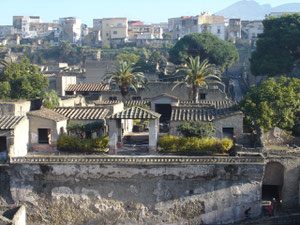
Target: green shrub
(168, 143)
(194, 145)
(196, 129)
(224, 145)
(75, 144)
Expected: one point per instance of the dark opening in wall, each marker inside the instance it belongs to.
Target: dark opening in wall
(44, 136)
(3, 144)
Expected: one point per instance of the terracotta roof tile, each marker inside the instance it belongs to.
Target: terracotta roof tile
(47, 114)
(87, 87)
(9, 122)
(83, 113)
(135, 112)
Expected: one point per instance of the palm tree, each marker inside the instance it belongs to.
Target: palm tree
(125, 78)
(199, 74)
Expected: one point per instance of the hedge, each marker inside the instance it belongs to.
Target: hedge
(193, 145)
(75, 144)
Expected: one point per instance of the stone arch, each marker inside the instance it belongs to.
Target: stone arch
(273, 181)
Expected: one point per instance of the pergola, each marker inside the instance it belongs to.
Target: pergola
(115, 128)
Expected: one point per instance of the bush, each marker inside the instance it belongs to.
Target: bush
(75, 144)
(196, 129)
(194, 145)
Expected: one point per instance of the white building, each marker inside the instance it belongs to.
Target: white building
(70, 29)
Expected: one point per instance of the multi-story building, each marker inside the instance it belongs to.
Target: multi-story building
(179, 27)
(22, 24)
(145, 32)
(250, 31)
(114, 30)
(234, 30)
(6, 31)
(70, 29)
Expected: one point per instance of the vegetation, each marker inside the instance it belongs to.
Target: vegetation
(198, 74)
(125, 78)
(277, 49)
(196, 129)
(167, 36)
(205, 45)
(130, 58)
(75, 144)
(81, 129)
(50, 99)
(194, 145)
(274, 104)
(21, 81)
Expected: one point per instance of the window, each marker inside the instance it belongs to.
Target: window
(202, 96)
(44, 136)
(107, 34)
(195, 22)
(115, 32)
(219, 30)
(183, 22)
(136, 98)
(228, 132)
(113, 98)
(3, 144)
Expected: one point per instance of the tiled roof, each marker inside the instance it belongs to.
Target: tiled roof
(9, 122)
(83, 113)
(87, 87)
(127, 103)
(205, 114)
(165, 95)
(47, 114)
(217, 104)
(135, 113)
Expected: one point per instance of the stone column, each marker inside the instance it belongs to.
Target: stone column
(153, 134)
(113, 136)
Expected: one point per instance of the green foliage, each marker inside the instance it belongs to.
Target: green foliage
(50, 99)
(166, 36)
(196, 129)
(75, 144)
(277, 48)
(199, 74)
(205, 45)
(273, 104)
(22, 80)
(194, 145)
(130, 58)
(125, 77)
(81, 128)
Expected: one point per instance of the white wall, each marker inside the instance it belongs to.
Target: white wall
(21, 139)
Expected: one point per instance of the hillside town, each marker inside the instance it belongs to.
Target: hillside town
(191, 121)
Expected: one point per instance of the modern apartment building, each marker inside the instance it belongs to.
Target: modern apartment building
(234, 30)
(181, 26)
(70, 29)
(114, 30)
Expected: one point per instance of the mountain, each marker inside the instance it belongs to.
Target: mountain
(251, 10)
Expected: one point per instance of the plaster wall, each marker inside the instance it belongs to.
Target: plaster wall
(21, 139)
(136, 194)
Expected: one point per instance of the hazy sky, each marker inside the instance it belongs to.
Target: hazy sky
(145, 10)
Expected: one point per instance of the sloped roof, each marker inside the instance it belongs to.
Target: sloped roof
(205, 114)
(83, 113)
(127, 103)
(47, 114)
(165, 95)
(9, 122)
(87, 87)
(135, 112)
(217, 104)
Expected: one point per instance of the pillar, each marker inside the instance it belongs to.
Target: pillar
(113, 136)
(153, 134)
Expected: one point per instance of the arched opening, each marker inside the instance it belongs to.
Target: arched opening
(273, 181)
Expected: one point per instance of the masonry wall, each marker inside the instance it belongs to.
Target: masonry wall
(136, 193)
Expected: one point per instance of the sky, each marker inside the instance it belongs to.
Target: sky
(148, 11)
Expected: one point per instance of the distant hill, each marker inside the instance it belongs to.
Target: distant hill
(251, 10)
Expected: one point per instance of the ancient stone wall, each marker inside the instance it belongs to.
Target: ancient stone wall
(137, 190)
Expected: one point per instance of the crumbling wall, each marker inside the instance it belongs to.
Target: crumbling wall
(136, 194)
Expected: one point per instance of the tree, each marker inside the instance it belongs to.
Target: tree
(205, 45)
(50, 99)
(125, 78)
(198, 74)
(273, 104)
(130, 58)
(167, 36)
(278, 47)
(22, 80)
(196, 129)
